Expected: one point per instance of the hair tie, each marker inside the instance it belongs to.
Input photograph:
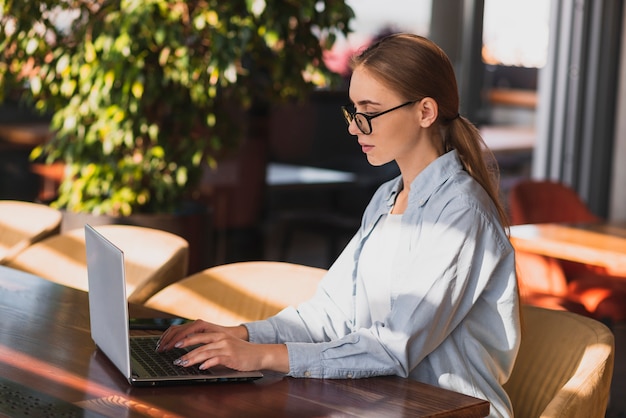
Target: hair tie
(454, 117)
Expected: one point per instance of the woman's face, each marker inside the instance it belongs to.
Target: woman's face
(394, 134)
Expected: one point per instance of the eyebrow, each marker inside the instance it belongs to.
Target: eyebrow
(366, 102)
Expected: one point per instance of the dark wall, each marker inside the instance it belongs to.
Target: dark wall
(16, 180)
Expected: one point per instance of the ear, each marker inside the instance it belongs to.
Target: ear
(429, 110)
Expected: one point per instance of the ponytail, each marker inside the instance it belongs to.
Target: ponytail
(477, 159)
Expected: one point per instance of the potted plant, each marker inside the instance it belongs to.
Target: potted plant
(144, 94)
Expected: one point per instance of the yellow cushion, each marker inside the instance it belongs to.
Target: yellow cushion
(153, 258)
(24, 223)
(239, 292)
(564, 366)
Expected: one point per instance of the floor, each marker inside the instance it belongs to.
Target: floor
(310, 249)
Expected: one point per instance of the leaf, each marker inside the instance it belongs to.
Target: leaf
(68, 87)
(199, 22)
(109, 78)
(31, 46)
(256, 7)
(62, 66)
(181, 175)
(35, 85)
(137, 89)
(90, 52)
(164, 55)
(210, 120)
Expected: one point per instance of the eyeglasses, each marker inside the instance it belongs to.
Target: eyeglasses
(363, 121)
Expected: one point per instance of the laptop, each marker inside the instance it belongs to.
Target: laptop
(108, 311)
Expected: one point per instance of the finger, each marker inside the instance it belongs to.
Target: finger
(165, 340)
(201, 339)
(175, 333)
(205, 359)
(203, 354)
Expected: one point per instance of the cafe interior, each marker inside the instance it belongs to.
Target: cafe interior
(545, 83)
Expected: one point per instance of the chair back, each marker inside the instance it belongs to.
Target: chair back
(534, 201)
(239, 292)
(564, 366)
(23, 224)
(153, 258)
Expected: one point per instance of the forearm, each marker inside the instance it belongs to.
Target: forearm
(271, 356)
(274, 357)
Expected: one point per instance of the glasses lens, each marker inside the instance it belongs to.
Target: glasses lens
(363, 123)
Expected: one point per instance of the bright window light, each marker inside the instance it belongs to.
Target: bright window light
(515, 32)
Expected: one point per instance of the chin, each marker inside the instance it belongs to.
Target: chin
(376, 162)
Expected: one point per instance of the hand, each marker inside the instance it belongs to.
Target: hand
(177, 332)
(226, 346)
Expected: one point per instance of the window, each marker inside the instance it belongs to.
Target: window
(515, 32)
(374, 18)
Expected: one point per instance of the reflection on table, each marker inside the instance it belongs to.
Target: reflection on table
(46, 354)
(601, 244)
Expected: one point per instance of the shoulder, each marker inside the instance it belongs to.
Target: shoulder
(460, 203)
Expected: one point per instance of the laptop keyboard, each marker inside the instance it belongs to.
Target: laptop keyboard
(160, 364)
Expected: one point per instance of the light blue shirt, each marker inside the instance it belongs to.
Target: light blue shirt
(453, 320)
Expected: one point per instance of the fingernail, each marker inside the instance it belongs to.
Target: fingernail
(180, 362)
(178, 344)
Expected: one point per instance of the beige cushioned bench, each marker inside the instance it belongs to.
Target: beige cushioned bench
(153, 258)
(23, 224)
(233, 293)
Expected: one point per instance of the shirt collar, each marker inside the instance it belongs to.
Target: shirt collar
(429, 180)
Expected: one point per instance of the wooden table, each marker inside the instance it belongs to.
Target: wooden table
(601, 244)
(46, 348)
(509, 139)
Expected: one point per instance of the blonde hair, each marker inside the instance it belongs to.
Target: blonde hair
(415, 67)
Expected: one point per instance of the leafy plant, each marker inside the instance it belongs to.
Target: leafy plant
(143, 93)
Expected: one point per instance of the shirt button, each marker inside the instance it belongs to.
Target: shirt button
(307, 374)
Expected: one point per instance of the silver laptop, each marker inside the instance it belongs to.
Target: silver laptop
(134, 356)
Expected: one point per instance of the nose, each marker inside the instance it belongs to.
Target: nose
(353, 129)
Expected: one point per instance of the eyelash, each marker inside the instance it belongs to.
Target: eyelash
(370, 113)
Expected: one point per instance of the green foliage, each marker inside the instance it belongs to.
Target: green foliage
(144, 92)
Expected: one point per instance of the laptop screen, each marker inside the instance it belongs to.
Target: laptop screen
(108, 306)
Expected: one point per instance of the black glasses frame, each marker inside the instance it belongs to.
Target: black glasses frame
(349, 116)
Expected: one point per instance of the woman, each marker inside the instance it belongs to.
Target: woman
(426, 289)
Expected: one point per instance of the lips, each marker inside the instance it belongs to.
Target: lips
(366, 148)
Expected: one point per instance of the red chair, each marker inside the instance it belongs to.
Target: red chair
(602, 294)
(534, 202)
(542, 283)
